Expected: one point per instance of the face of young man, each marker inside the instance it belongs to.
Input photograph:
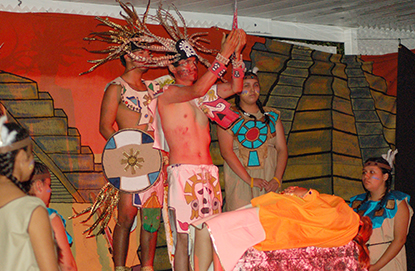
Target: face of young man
(186, 71)
(138, 63)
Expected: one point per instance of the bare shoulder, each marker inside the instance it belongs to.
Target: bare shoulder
(40, 218)
(171, 94)
(112, 87)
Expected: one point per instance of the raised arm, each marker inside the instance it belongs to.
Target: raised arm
(179, 94)
(235, 86)
(399, 232)
(282, 157)
(40, 233)
(66, 260)
(109, 107)
(226, 149)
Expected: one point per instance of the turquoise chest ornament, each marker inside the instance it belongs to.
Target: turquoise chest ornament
(252, 135)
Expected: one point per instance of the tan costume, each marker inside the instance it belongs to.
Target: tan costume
(16, 252)
(255, 146)
(383, 226)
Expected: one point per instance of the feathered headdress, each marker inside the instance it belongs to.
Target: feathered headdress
(135, 32)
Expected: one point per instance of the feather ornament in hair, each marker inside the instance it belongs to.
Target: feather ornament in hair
(6, 138)
(390, 156)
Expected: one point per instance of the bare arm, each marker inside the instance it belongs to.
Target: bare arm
(40, 233)
(399, 232)
(109, 107)
(282, 157)
(179, 94)
(225, 144)
(66, 260)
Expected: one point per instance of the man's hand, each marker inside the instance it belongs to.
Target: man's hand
(230, 42)
(296, 191)
(241, 44)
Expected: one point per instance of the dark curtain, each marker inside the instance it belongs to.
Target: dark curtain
(405, 138)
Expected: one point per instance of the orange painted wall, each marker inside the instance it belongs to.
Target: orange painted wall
(49, 49)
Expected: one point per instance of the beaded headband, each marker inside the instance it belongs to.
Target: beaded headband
(251, 74)
(16, 145)
(389, 157)
(381, 165)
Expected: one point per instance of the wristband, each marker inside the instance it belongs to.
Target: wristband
(252, 182)
(222, 59)
(238, 73)
(279, 182)
(218, 68)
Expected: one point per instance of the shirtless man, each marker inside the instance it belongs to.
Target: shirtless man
(194, 189)
(116, 107)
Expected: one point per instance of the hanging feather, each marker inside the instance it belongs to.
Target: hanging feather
(103, 206)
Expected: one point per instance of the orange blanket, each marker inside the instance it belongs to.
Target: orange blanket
(315, 220)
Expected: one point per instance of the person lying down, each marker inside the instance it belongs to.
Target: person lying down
(296, 218)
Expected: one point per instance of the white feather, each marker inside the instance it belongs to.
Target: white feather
(390, 156)
(6, 138)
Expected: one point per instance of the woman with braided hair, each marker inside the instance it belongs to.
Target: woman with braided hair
(254, 148)
(25, 231)
(390, 213)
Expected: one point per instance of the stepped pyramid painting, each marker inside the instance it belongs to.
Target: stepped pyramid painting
(335, 113)
(74, 173)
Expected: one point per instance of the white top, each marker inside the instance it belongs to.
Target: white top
(16, 252)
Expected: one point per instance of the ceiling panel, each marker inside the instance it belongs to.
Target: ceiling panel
(392, 14)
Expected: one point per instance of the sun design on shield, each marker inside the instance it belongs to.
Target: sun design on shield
(132, 161)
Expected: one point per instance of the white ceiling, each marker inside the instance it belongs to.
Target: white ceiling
(365, 27)
(388, 14)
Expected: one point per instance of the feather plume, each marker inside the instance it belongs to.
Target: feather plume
(390, 156)
(120, 37)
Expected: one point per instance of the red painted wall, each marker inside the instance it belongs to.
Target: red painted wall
(48, 48)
